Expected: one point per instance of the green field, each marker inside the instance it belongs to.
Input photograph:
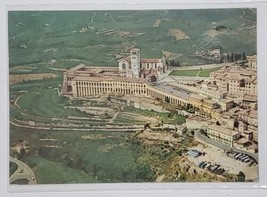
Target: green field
(106, 157)
(189, 73)
(206, 72)
(194, 73)
(37, 37)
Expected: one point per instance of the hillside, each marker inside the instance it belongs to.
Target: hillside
(39, 40)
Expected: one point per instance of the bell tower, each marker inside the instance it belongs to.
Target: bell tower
(135, 62)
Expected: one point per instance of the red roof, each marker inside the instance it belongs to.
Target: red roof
(143, 60)
(147, 60)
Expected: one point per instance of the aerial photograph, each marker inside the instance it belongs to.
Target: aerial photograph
(130, 96)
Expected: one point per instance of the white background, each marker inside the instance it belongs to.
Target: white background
(129, 190)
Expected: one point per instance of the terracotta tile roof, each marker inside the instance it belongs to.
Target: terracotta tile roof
(149, 60)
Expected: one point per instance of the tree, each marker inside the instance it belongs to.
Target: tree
(241, 177)
(146, 126)
(177, 63)
(244, 56)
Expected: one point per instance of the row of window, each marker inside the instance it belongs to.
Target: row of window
(101, 84)
(143, 65)
(88, 91)
(223, 140)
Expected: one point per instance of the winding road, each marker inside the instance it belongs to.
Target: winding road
(92, 18)
(23, 172)
(223, 146)
(245, 19)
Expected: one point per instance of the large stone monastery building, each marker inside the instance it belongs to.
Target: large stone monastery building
(134, 76)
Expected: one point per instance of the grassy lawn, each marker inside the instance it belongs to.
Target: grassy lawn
(193, 73)
(206, 72)
(44, 102)
(189, 73)
(48, 172)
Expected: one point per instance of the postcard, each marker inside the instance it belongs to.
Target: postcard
(133, 96)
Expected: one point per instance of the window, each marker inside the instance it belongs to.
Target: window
(123, 66)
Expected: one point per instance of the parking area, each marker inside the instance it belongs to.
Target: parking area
(218, 161)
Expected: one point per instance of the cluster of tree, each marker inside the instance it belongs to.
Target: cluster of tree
(173, 62)
(220, 27)
(241, 177)
(232, 57)
(97, 165)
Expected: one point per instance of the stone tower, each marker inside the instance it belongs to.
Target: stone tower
(135, 62)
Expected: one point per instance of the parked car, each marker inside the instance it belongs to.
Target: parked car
(239, 155)
(204, 165)
(208, 165)
(244, 158)
(202, 162)
(221, 171)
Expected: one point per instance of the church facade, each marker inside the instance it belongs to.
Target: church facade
(134, 66)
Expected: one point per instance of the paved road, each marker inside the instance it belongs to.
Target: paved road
(67, 128)
(23, 172)
(223, 146)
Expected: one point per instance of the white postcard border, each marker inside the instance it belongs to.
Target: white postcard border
(262, 94)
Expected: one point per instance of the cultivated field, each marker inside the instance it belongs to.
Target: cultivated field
(29, 77)
(64, 39)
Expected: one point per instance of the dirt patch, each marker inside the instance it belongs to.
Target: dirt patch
(171, 55)
(50, 50)
(157, 137)
(94, 137)
(53, 146)
(28, 77)
(178, 34)
(212, 33)
(159, 21)
(95, 111)
(118, 33)
(106, 147)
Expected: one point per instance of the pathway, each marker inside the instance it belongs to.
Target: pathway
(23, 172)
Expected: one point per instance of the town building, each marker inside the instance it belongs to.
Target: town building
(222, 134)
(205, 104)
(134, 66)
(226, 104)
(235, 80)
(197, 122)
(229, 97)
(214, 95)
(252, 61)
(135, 76)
